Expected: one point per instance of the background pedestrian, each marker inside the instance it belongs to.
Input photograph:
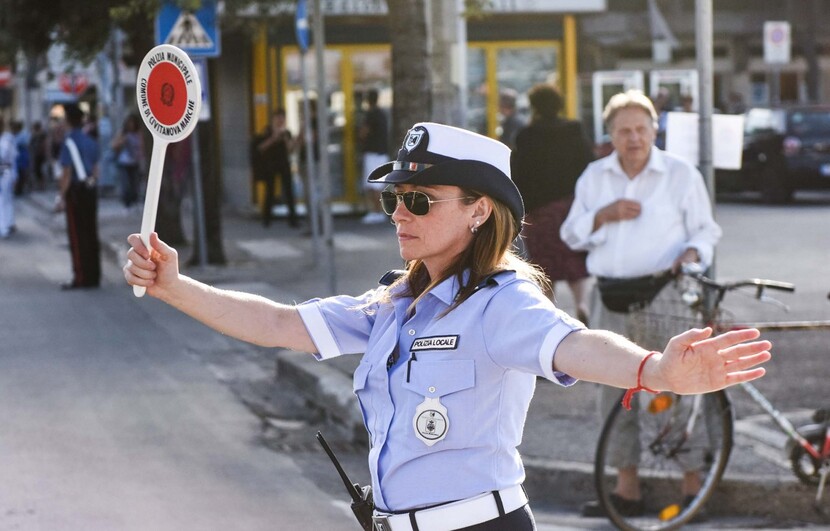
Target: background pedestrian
(373, 136)
(640, 213)
(128, 146)
(549, 156)
(8, 176)
(79, 199)
(270, 155)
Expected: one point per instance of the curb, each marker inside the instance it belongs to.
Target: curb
(326, 387)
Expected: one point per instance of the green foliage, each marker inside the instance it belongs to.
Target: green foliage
(27, 25)
(34, 25)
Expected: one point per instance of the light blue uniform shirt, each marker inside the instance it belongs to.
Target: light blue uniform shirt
(480, 360)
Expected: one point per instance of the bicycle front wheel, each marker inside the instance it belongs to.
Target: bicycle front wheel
(677, 446)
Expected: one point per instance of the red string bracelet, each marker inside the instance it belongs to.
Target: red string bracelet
(626, 401)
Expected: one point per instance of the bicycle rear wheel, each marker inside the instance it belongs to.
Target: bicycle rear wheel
(672, 440)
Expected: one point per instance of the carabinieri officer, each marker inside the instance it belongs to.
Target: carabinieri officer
(452, 345)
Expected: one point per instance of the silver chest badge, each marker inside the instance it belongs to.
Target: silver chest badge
(431, 422)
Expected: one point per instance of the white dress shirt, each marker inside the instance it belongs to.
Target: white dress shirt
(676, 215)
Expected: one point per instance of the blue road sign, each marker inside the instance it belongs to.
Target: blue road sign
(301, 25)
(195, 32)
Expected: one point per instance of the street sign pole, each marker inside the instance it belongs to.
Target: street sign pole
(323, 142)
(703, 37)
(199, 199)
(197, 34)
(312, 188)
(777, 50)
(705, 92)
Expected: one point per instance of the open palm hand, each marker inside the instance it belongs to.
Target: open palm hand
(696, 362)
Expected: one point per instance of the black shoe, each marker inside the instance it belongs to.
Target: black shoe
(623, 506)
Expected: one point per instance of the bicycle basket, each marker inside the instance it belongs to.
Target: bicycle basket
(653, 326)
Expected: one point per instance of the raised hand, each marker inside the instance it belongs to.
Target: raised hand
(155, 269)
(696, 362)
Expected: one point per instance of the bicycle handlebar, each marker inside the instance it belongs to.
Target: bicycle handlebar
(758, 283)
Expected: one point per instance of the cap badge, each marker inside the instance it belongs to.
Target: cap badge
(413, 138)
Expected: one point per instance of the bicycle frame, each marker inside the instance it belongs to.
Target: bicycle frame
(786, 426)
(714, 294)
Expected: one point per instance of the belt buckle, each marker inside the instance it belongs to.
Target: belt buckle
(381, 523)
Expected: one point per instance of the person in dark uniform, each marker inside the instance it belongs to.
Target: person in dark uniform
(452, 346)
(270, 157)
(79, 199)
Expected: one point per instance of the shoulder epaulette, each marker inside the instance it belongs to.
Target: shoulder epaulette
(486, 282)
(391, 276)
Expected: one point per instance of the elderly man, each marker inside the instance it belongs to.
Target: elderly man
(640, 213)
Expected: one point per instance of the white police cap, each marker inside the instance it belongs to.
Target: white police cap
(437, 154)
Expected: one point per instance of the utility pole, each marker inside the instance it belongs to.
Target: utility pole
(703, 38)
(703, 42)
(323, 144)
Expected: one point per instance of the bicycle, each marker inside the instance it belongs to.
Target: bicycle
(685, 442)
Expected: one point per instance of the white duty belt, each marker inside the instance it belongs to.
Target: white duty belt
(455, 515)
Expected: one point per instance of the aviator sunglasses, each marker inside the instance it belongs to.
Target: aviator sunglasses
(416, 202)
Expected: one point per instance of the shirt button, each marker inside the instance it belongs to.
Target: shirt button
(411, 331)
(431, 389)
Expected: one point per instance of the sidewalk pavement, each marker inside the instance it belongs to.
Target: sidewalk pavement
(280, 263)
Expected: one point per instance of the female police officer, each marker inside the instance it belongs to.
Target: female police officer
(451, 348)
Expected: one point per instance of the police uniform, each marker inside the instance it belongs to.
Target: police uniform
(444, 396)
(82, 213)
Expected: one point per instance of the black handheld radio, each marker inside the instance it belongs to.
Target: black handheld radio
(362, 503)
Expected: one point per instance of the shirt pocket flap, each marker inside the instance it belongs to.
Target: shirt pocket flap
(440, 378)
(361, 376)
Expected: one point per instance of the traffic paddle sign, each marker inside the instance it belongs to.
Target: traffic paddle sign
(169, 97)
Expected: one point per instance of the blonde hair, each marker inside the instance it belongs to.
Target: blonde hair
(630, 99)
(490, 251)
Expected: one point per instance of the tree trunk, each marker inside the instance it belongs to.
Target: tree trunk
(212, 193)
(411, 74)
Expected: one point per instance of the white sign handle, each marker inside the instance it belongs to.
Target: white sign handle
(151, 200)
(169, 98)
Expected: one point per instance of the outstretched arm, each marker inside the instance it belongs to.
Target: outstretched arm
(240, 315)
(693, 362)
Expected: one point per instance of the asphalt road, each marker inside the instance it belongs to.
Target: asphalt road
(111, 420)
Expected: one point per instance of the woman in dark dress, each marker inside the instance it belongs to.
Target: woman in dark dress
(549, 156)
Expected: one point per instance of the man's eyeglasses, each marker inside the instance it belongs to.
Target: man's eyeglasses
(416, 202)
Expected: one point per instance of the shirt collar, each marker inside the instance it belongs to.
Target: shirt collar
(448, 289)
(656, 162)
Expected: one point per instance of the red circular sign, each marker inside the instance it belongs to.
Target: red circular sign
(167, 93)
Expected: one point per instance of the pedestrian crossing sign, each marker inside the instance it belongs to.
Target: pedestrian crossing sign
(195, 32)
